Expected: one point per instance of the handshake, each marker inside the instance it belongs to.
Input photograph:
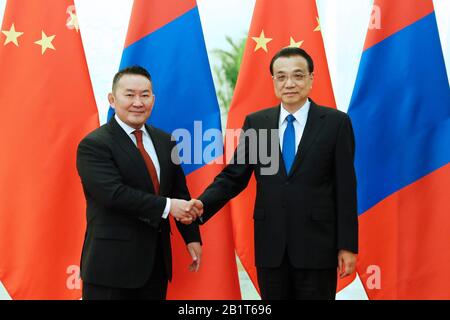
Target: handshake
(186, 211)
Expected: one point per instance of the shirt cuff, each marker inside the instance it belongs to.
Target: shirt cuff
(166, 209)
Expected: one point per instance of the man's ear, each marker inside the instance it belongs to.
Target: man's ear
(111, 99)
(153, 100)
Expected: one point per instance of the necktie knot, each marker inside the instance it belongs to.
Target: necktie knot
(290, 118)
(138, 135)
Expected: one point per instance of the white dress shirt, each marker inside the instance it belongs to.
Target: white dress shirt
(299, 124)
(150, 148)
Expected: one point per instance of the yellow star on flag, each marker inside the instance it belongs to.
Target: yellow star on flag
(318, 25)
(261, 42)
(295, 44)
(46, 42)
(12, 35)
(73, 22)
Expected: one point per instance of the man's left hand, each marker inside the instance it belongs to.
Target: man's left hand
(195, 250)
(347, 263)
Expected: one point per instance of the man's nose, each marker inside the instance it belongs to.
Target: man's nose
(289, 83)
(137, 102)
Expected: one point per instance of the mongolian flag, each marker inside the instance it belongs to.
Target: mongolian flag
(275, 25)
(400, 111)
(47, 107)
(166, 38)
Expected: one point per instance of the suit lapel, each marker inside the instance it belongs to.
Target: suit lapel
(137, 163)
(313, 125)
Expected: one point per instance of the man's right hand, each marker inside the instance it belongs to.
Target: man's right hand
(186, 211)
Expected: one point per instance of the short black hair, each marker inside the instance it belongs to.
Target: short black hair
(135, 70)
(290, 52)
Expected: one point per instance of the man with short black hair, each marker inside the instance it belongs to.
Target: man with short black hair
(131, 185)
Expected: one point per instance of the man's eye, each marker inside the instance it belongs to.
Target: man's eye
(299, 76)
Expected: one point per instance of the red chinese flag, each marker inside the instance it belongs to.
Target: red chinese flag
(275, 25)
(47, 107)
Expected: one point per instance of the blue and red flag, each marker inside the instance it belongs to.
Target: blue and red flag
(400, 111)
(167, 39)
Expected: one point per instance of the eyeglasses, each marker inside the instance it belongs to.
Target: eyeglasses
(296, 77)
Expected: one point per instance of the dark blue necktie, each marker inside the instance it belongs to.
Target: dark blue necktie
(289, 143)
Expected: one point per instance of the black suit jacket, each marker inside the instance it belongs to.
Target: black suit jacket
(310, 212)
(124, 216)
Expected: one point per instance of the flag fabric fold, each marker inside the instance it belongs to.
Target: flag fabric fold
(400, 110)
(167, 39)
(48, 106)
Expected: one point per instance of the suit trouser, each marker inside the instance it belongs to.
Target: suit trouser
(154, 289)
(286, 282)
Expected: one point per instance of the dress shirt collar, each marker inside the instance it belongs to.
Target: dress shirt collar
(300, 115)
(129, 130)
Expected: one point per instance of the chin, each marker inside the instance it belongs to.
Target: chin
(136, 123)
(291, 101)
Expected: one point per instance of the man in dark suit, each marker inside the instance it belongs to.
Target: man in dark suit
(305, 218)
(130, 184)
